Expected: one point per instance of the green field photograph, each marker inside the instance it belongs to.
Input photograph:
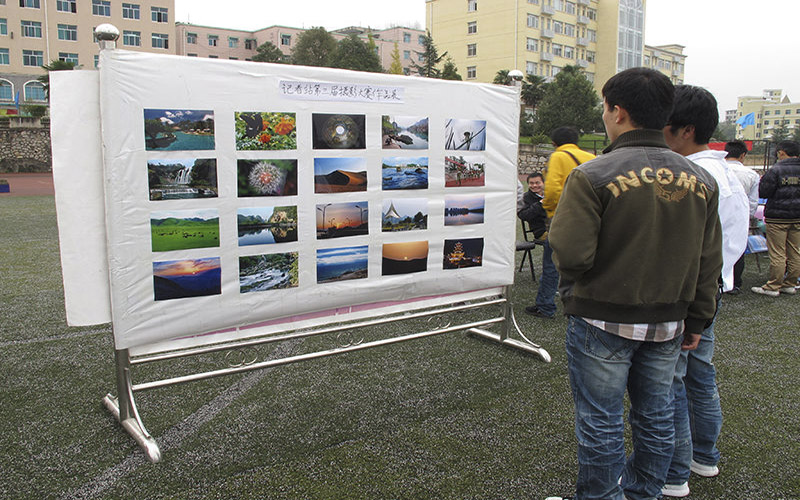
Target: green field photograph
(184, 229)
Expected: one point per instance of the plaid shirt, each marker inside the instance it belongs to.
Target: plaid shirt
(647, 332)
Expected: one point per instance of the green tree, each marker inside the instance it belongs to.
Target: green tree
(502, 78)
(268, 52)
(569, 100)
(449, 70)
(315, 47)
(352, 53)
(779, 133)
(533, 90)
(54, 65)
(396, 67)
(429, 58)
(796, 135)
(725, 131)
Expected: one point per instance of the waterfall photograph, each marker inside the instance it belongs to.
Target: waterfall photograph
(176, 179)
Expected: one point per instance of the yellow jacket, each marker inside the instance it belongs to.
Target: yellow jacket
(558, 168)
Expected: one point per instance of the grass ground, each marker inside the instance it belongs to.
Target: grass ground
(449, 417)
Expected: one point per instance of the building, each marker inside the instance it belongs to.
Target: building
(770, 110)
(540, 37)
(668, 59)
(35, 32)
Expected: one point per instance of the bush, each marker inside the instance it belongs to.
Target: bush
(35, 110)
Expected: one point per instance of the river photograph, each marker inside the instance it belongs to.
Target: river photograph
(404, 172)
(266, 225)
(404, 132)
(178, 129)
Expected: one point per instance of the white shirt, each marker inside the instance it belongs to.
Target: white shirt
(749, 180)
(734, 210)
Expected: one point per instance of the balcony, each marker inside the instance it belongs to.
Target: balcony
(548, 10)
(583, 20)
(547, 56)
(583, 63)
(583, 41)
(587, 3)
(545, 33)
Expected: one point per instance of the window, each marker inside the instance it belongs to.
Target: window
(233, 42)
(590, 56)
(420, 57)
(558, 27)
(101, 8)
(472, 72)
(558, 49)
(766, 122)
(250, 44)
(472, 6)
(66, 6)
(96, 61)
(212, 56)
(132, 38)
(533, 45)
(591, 14)
(212, 40)
(286, 40)
(130, 11)
(68, 57)
(766, 113)
(191, 55)
(159, 14)
(472, 49)
(34, 91)
(191, 38)
(532, 68)
(32, 29)
(6, 89)
(3, 27)
(569, 52)
(31, 4)
(406, 54)
(592, 34)
(67, 32)
(472, 27)
(4, 57)
(160, 41)
(569, 29)
(533, 21)
(406, 37)
(535, 2)
(421, 39)
(555, 70)
(569, 7)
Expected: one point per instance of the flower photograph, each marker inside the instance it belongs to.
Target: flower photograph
(265, 131)
(267, 178)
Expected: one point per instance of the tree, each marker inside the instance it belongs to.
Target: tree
(533, 90)
(268, 52)
(54, 65)
(450, 71)
(779, 133)
(352, 53)
(315, 47)
(725, 131)
(397, 67)
(502, 78)
(429, 58)
(569, 100)
(796, 135)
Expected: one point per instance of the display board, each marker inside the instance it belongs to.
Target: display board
(238, 192)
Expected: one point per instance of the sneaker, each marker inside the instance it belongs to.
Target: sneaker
(764, 291)
(676, 490)
(559, 498)
(734, 291)
(704, 470)
(788, 290)
(535, 311)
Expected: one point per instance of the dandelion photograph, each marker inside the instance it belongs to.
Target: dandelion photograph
(464, 171)
(404, 258)
(340, 264)
(404, 132)
(267, 178)
(340, 175)
(266, 225)
(338, 131)
(465, 135)
(177, 279)
(184, 229)
(463, 210)
(404, 214)
(465, 252)
(258, 273)
(404, 172)
(265, 131)
(337, 220)
(177, 179)
(178, 129)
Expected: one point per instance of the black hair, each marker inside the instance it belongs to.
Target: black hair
(695, 106)
(535, 174)
(565, 135)
(791, 148)
(735, 149)
(647, 95)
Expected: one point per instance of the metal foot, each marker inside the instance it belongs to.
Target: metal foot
(525, 346)
(139, 434)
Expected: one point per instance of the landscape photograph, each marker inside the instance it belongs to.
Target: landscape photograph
(265, 131)
(404, 258)
(404, 214)
(178, 129)
(466, 252)
(266, 225)
(338, 131)
(177, 279)
(258, 273)
(404, 132)
(337, 220)
(340, 264)
(465, 135)
(464, 171)
(266, 178)
(340, 175)
(177, 179)
(184, 229)
(404, 172)
(464, 209)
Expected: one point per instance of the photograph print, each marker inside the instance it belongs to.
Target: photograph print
(340, 264)
(266, 225)
(404, 258)
(178, 179)
(265, 131)
(465, 135)
(338, 220)
(404, 172)
(466, 252)
(464, 171)
(338, 131)
(463, 210)
(184, 229)
(404, 214)
(177, 279)
(404, 132)
(340, 175)
(178, 129)
(266, 178)
(258, 273)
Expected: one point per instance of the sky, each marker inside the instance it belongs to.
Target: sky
(734, 47)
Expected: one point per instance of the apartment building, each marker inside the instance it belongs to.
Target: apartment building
(770, 110)
(668, 59)
(35, 32)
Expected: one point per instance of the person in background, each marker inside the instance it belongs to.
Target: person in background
(748, 178)
(532, 211)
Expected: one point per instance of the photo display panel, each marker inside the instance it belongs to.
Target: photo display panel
(239, 192)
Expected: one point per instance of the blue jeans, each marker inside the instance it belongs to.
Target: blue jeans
(698, 415)
(548, 282)
(601, 367)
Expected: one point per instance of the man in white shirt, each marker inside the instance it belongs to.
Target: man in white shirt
(737, 150)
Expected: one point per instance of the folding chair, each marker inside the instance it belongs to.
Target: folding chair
(525, 246)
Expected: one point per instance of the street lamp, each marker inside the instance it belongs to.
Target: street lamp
(323, 213)
(361, 214)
